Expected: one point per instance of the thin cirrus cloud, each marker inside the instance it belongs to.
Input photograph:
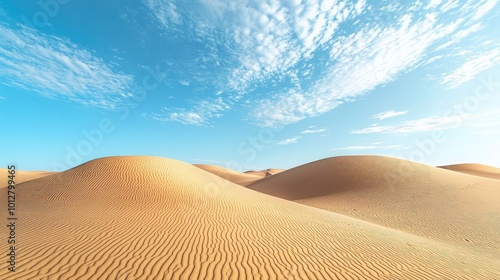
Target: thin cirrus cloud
(453, 121)
(374, 146)
(57, 68)
(389, 114)
(165, 12)
(276, 41)
(470, 69)
(313, 131)
(198, 115)
(415, 126)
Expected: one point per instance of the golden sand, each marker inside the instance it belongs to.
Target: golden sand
(157, 218)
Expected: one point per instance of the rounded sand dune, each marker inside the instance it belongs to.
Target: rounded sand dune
(156, 218)
(475, 169)
(427, 201)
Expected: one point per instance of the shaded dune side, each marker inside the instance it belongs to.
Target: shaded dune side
(475, 169)
(239, 178)
(154, 218)
(423, 200)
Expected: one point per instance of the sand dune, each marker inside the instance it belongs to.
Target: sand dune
(430, 202)
(475, 169)
(155, 218)
(242, 179)
(265, 172)
(23, 176)
(239, 178)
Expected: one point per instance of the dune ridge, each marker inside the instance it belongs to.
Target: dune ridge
(156, 218)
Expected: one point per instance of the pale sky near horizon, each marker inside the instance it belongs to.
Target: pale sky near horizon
(249, 84)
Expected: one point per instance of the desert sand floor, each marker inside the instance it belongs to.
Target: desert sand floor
(156, 218)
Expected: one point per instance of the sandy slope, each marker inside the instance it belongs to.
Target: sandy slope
(431, 202)
(475, 169)
(155, 218)
(22, 176)
(239, 178)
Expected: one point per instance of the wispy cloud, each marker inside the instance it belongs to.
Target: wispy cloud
(460, 35)
(288, 141)
(374, 146)
(470, 69)
(484, 8)
(165, 12)
(389, 114)
(55, 67)
(313, 131)
(271, 37)
(1, 97)
(414, 126)
(462, 118)
(198, 115)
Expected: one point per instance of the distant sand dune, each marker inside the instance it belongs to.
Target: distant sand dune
(265, 172)
(475, 169)
(22, 176)
(239, 178)
(242, 179)
(156, 218)
(427, 201)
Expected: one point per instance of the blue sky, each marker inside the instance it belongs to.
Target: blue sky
(249, 84)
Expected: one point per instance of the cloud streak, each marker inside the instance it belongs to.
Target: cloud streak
(313, 131)
(389, 114)
(371, 147)
(471, 68)
(199, 115)
(289, 141)
(413, 126)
